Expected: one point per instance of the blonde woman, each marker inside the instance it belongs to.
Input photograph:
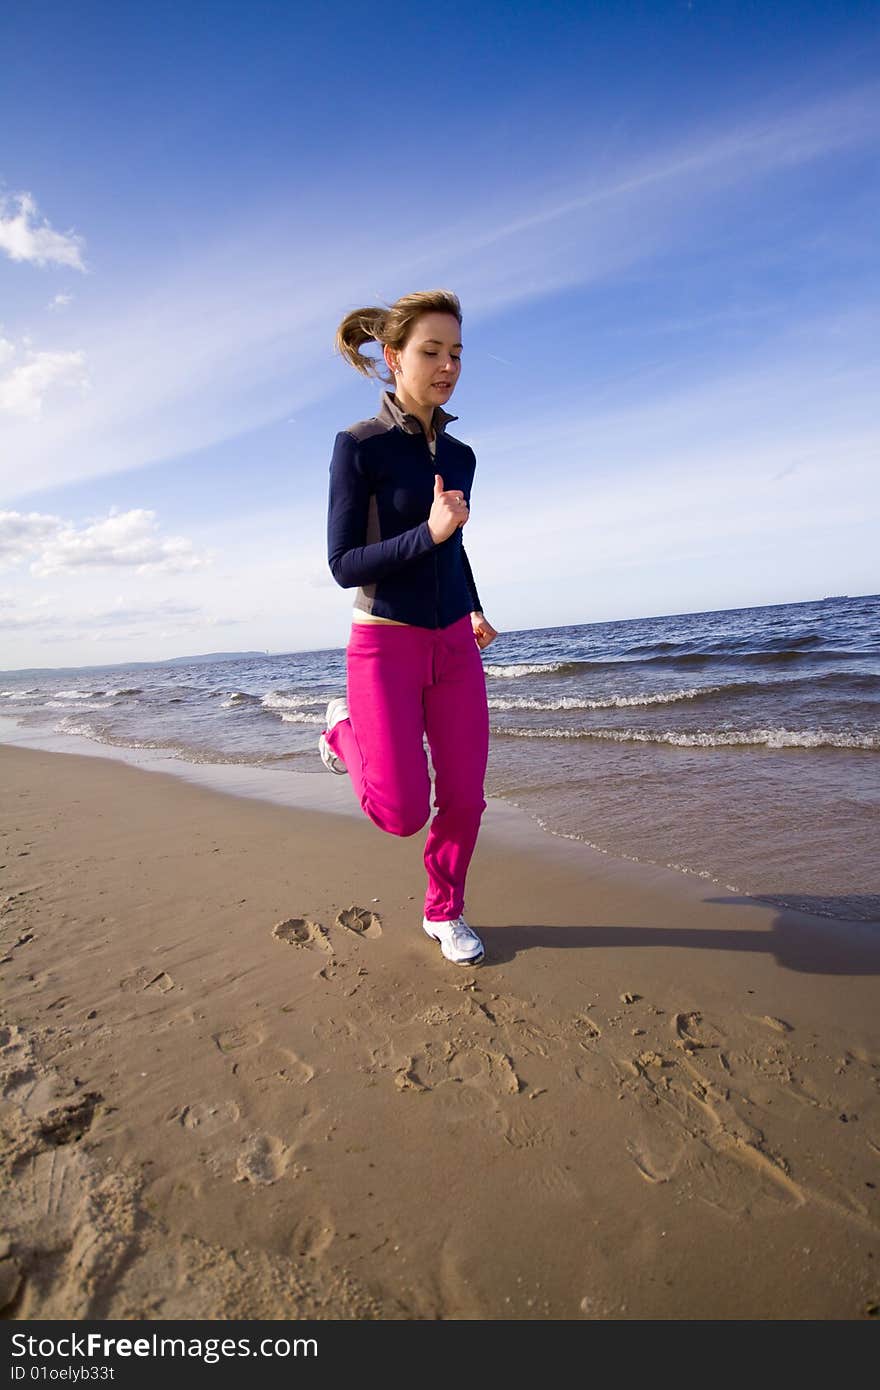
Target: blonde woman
(400, 489)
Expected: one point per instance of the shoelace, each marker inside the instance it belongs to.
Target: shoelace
(462, 935)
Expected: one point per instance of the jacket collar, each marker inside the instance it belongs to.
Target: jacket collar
(389, 410)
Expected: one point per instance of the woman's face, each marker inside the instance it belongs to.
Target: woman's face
(429, 364)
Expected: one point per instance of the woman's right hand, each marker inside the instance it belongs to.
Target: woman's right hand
(448, 511)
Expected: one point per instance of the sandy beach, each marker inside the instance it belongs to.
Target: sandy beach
(240, 1082)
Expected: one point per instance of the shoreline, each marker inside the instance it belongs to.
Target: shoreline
(654, 1099)
(322, 793)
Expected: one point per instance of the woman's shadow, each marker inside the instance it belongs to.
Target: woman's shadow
(798, 937)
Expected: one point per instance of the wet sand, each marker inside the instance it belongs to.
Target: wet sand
(239, 1081)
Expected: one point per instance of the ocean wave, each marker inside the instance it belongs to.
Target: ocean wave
(843, 681)
(723, 654)
(531, 668)
(727, 738)
(60, 704)
(668, 697)
(240, 697)
(127, 690)
(72, 724)
(727, 653)
(641, 647)
(277, 699)
(78, 694)
(724, 646)
(855, 680)
(298, 716)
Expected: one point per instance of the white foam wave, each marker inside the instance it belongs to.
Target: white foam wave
(529, 668)
(16, 694)
(276, 699)
(59, 704)
(76, 694)
(298, 716)
(768, 738)
(668, 697)
(72, 725)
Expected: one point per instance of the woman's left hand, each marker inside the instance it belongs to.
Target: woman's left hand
(484, 632)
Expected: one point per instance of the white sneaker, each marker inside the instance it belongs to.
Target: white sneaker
(458, 941)
(336, 710)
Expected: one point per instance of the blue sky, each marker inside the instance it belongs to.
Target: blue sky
(661, 220)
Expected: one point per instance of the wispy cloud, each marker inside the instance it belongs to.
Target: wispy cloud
(587, 222)
(25, 618)
(745, 151)
(117, 622)
(60, 301)
(25, 384)
(23, 238)
(129, 540)
(239, 336)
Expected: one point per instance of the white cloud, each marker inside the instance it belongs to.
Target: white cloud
(23, 239)
(60, 301)
(123, 620)
(25, 621)
(24, 387)
(122, 613)
(121, 540)
(240, 335)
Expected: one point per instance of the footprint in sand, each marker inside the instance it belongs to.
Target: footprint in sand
(72, 1225)
(586, 1028)
(299, 931)
(493, 1071)
(704, 1133)
(442, 1063)
(162, 982)
(779, 1025)
(334, 1030)
(144, 978)
(361, 921)
(658, 1155)
(313, 1235)
(234, 1039)
(67, 1123)
(207, 1118)
(13, 1044)
(185, 1018)
(523, 1131)
(263, 1159)
(274, 1064)
(693, 1032)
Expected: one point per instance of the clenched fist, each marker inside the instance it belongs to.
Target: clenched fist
(484, 632)
(448, 511)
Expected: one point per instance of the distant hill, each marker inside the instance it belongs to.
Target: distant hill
(207, 656)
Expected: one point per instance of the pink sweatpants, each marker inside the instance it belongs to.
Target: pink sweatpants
(405, 682)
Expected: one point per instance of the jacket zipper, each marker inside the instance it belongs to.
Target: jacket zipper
(433, 459)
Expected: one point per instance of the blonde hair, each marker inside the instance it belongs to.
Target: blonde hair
(389, 326)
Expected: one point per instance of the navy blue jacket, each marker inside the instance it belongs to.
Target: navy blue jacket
(381, 494)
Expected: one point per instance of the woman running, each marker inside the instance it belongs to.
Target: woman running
(400, 490)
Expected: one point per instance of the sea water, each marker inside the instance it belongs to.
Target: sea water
(740, 746)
